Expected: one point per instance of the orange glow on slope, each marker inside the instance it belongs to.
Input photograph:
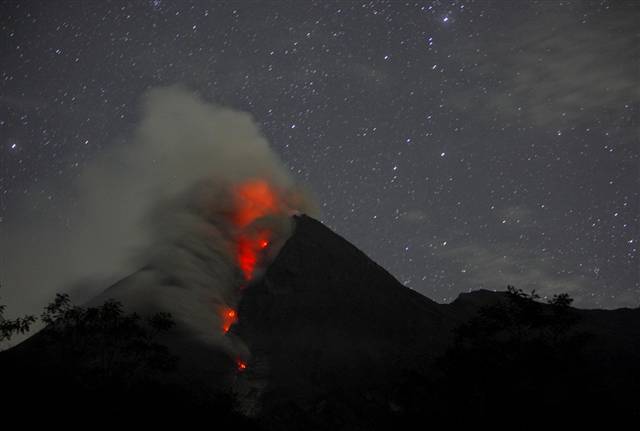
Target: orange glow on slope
(253, 199)
(249, 248)
(229, 317)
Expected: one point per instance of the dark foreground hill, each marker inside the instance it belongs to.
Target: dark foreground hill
(337, 342)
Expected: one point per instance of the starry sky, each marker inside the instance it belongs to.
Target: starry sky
(461, 145)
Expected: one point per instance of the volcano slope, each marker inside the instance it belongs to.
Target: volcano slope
(336, 342)
(325, 319)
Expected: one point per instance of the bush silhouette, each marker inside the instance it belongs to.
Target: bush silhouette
(11, 327)
(101, 360)
(104, 346)
(516, 355)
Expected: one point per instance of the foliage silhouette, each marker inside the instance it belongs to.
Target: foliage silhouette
(516, 354)
(104, 346)
(11, 327)
(97, 360)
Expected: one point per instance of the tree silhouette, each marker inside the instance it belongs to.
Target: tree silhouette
(516, 355)
(104, 346)
(11, 327)
(101, 360)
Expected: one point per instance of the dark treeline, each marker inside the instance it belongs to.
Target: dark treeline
(96, 360)
(515, 358)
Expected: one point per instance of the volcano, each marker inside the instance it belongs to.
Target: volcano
(334, 341)
(338, 342)
(326, 318)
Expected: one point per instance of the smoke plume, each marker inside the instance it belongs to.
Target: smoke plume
(196, 202)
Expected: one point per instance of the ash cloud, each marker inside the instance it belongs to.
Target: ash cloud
(161, 202)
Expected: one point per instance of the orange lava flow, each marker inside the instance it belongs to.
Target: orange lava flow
(249, 248)
(229, 317)
(253, 199)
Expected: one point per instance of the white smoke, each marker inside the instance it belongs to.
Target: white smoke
(160, 203)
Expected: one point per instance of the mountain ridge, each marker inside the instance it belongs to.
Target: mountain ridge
(335, 341)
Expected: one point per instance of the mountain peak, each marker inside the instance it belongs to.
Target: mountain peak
(325, 317)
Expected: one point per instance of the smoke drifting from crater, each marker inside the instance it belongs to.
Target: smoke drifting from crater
(167, 202)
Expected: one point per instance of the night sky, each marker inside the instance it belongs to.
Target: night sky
(459, 144)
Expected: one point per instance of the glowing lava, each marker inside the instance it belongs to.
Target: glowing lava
(253, 199)
(229, 317)
(249, 248)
